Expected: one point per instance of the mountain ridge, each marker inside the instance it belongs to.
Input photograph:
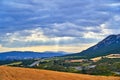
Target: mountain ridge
(110, 44)
(28, 55)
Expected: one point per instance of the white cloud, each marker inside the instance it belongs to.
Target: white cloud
(0, 45)
(113, 4)
(32, 37)
(103, 31)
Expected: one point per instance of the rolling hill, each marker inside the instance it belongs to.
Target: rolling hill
(110, 45)
(18, 55)
(13, 73)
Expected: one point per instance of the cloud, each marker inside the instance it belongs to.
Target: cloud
(113, 4)
(0, 45)
(57, 22)
(98, 35)
(56, 34)
(63, 30)
(28, 13)
(27, 38)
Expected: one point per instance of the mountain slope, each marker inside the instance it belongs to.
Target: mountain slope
(27, 55)
(12, 73)
(110, 45)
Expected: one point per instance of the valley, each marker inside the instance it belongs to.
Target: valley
(105, 65)
(103, 59)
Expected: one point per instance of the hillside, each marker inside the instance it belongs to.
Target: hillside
(12, 73)
(109, 45)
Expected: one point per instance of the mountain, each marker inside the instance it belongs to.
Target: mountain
(15, 73)
(110, 45)
(28, 55)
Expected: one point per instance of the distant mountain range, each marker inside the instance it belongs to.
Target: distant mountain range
(110, 45)
(17, 55)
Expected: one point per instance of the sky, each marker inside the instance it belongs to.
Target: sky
(56, 25)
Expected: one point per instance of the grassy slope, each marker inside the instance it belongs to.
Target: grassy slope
(12, 73)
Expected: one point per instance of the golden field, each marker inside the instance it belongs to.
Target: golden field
(13, 73)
